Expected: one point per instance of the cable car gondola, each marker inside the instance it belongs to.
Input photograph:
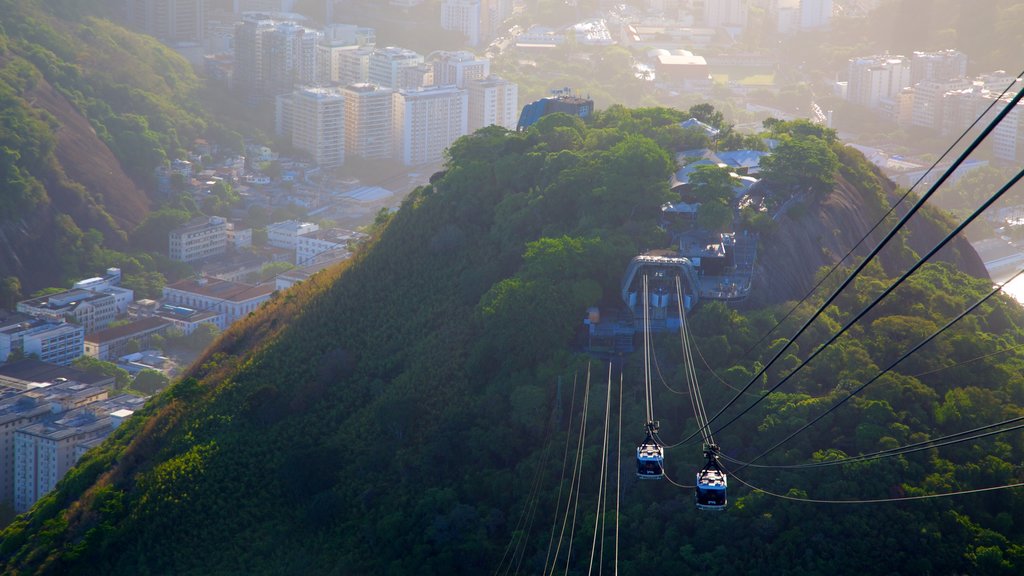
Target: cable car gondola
(650, 456)
(711, 483)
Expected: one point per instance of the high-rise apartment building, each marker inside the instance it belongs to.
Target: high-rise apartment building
(815, 14)
(318, 124)
(939, 66)
(354, 66)
(463, 16)
(272, 57)
(928, 108)
(368, 117)
(386, 64)
(427, 121)
(875, 77)
(457, 68)
(167, 20)
(492, 100)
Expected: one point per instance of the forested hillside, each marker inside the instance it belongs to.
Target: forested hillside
(87, 111)
(398, 416)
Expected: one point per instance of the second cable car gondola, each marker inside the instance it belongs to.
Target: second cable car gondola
(650, 456)
(711, 483)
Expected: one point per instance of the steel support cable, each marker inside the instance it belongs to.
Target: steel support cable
(521, 549)
(876, 500)
(525, 518)
(647, 353)
(618, 479)
(579, 482)
(889, 212)
(921, 262)
(572, 482)
(940, 442)
(604, 462)
(892, 365)
(972, 360)
(690, 366)
(889, 236)
(674, 483)
(561, 480)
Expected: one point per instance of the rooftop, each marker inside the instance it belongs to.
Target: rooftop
(118, 332)
(31, 370)
(222, 289)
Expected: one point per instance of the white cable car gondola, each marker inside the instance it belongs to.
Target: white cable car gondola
(650, 457)
(711, 483)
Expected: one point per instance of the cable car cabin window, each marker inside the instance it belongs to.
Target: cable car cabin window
(650, 463)
(711, 489)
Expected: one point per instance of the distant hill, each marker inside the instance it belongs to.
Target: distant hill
(88, 111)
(402, 414)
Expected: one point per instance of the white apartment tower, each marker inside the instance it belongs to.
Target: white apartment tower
(492, 100)
(427, 121)
(368, 117)
(385, 66)
(318, 124)
(815, 14)
(457, 68)
(355, 66)
(929, 97)
(463, 16)
(725, 13)
(937, 66)
(873, 78)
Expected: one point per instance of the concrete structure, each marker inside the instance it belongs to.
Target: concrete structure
(233, 299)
(273, 56)
(565, 103)
(683, 68)
(338, 39)
(92, 310)
(354, 66)
(111, 343)
(44, 451)
(458, 68)
(109, 284)
(319, 262)
(199, 239)
(941, 66)
(929, 101)
(285, 234)
(815, 14)
(463, 16)
(368, 118)
(318, 124)
(28, 373)
(386, 64)
(872, 78)
(170, 21)
(722, 13)
(51, 341)
(310, 246)
(492, 101)
(427, 121)
(188, 319)
(239, 237)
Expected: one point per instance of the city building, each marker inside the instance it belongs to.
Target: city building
(91, 310)
(427, 121)
(170, 21)
(285, 234)
(682, 68)
(354, 66)
(492, 101)
(563, 102)
(109, 284)
(200, 238)
(44, 451)
(188, 319)
(317, 122)
(872, 78)
(463, 16)
(111, 343)
(29, 373)
(941, 66)
(320, 262)
(722, 13)
(311, 245)
(233, 299)
(929, 99)
(368, 117)
(386, 64)
(273, 56)
(338, 39)
(815, 14)
(457, 68)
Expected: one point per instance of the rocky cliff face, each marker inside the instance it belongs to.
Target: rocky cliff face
(815, 233)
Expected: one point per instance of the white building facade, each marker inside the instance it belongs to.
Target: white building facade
(427, 121)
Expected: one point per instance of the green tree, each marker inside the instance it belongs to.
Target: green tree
(99, 367)
(150, 382)
(10, 292)
(801, 163)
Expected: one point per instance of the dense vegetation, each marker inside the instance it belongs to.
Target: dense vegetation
(390, 417)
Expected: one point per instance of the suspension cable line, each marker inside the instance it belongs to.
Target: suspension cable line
(949, 237)
(899, 451)
(890, 211)
(1011, 106)
(601, 485)
(618, 478)
(875, 500)
(971, 360)
(572, 483)
(892, 365)
(561, 480)
(579, 483)
(690, 368)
